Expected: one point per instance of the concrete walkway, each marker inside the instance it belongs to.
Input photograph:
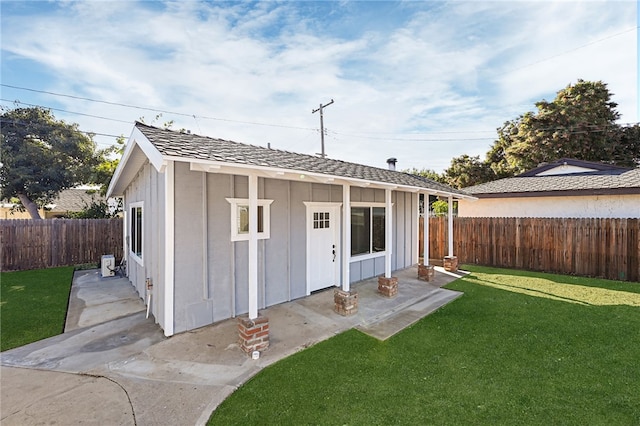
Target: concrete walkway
(113, 366)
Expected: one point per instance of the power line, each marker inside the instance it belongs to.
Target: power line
(568, 51)
(354, 135)
(63, 110)
(22, 123)
(567, 130)
(163, 111)
(408, 139)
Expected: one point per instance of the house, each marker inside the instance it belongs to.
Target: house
(565, 188)
(67, 201)
(190, 236)
(72, 200)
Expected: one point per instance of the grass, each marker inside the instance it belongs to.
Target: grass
(518, 348)
(33, 305)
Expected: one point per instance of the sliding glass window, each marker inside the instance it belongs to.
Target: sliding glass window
(367, 230)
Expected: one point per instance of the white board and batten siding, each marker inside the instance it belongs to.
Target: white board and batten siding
(148, 188)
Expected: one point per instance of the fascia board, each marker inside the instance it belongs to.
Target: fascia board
(275, 172)
(155, 157)
(121, 165)
(137, 138)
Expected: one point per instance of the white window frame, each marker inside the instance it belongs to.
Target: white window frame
(370, 255)
(266, 219)
(132, 221)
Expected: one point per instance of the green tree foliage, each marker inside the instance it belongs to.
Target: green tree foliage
(109, 159)
(96, 210)
(42, 156)
(440, 208)
(427, 173)
(466, 171)
(627, 153)
(579, 123)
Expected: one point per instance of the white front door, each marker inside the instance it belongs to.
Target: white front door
(323, 242)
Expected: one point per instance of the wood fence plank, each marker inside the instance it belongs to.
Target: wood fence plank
(597, 247)
(36, 244)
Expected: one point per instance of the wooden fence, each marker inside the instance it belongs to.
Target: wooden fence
(608, 248)
(35, 244)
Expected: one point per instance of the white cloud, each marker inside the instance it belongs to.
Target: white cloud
(462, 68)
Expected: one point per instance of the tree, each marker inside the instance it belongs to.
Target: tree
(96, 210)
(579, 123)
(440, 208)
(427, 173)
(42, 156)
(627, 153)
(107, 164)
(467, 171)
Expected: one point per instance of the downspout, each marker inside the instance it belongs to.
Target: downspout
(169, 243)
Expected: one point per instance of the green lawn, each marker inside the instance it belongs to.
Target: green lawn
(517, 348)
(33, 305)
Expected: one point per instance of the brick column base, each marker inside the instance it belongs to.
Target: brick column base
(426, 272)
(388, 287)
(345, 303)
(451, 263)
(254, 334)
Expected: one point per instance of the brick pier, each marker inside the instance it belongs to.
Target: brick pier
(254, 334)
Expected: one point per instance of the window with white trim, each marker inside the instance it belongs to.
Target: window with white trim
(367, 230)
(240, 219)
(136, 229)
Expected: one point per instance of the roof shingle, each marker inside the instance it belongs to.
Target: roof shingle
(190, 146)
(624, 179)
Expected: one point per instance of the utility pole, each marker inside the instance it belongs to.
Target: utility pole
(322, 154)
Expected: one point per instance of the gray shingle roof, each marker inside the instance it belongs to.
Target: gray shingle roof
(75, 200)
(600, 181)
(191, 146)
(601, 167)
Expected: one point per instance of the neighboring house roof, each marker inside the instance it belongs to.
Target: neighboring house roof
(563, 177)
(572, 166)
(164, 145)
(69, 200)
(74, 200)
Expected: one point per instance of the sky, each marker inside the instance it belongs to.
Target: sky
(421, 81)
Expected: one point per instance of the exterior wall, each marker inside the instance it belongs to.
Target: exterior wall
(148, 187)
(211, 271)
(7, 213)
(605, 206)
(405, 233)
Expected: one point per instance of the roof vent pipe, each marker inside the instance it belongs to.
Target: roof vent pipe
(392, 163)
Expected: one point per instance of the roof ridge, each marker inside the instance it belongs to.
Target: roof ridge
(277, 150)
(191, 146)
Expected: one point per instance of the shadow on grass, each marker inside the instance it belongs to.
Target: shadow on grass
(580, 290)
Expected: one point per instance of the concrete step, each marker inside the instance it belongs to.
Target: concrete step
(389, 323)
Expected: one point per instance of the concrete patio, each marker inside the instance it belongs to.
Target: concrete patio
(114, 366)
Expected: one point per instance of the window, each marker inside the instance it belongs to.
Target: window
(240, 219)
(321, 220)
(136, 230)
(367, 230)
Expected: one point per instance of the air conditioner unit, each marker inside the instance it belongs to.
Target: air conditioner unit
(108, 265)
